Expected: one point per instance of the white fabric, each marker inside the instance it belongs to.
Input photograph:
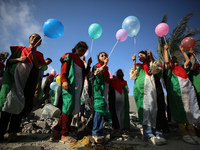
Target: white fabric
(135, 74)
(15, 100)
(154, 67)
(189, 100)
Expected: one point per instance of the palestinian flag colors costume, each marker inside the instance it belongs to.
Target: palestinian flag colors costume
(119, 104)
(73, 71)
(100, 86)
(194, 76)
(145, 93)
(19, 82)
(182, 96)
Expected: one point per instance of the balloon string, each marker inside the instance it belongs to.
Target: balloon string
(135, 43)
(196, 58)
(168, 49)
(113, 48)
(91, 47)
(36, 44)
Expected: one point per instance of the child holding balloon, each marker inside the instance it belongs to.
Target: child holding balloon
(149, 97)
(100, 85)
(72, 76)
(19, 83)
(183, 102)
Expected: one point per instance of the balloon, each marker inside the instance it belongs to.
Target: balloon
(132, 25)
(54, 86)
(53, 72)
(95, 31)
(58, 80)
(110, 75)
(121, 35)
(86, 53)
(53, 28)
(188, 43)
(162, 29)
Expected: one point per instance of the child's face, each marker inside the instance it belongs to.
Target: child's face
(34, 38)
(173, 62)
(142, 57)
(47, 61)
(81, 52)
(102, 57)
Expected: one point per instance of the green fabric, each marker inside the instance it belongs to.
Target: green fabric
(69, 96)
(99, 101)
(138, 93)
(126, 109)
(194, 77)
(175, 98)
(8, 78)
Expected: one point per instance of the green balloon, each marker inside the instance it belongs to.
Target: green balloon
(95, 31)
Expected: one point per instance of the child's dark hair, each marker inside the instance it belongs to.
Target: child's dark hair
(49, 59)
(80, 45)
(120, 74)
(101, 53)
(189, 54)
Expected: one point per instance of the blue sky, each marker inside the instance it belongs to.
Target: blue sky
(20, 18)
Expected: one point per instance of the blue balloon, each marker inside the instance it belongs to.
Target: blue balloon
(95, 31)
(53, 28)
(132, 25)
(54, 86)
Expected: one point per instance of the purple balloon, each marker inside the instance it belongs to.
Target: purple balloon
(121, 35)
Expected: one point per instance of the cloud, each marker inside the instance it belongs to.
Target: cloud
(17, 23)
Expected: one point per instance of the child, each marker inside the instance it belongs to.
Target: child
(183, 101)
(119, 102)
(39, 84)
(100, 85)
(146, 95)
(72, 77)
(194, 74)
(19, 83)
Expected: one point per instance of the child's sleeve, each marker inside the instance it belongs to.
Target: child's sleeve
(98, 71)
(135, 74)
(154, 67)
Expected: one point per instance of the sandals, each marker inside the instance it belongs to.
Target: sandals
(98, 139)
(69, 140)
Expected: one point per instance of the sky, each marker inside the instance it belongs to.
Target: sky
(20, 18)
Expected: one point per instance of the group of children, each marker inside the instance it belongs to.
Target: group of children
(109, 96)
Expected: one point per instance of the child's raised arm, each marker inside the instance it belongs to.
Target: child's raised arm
(187, 60)
(134, 60)
(166, 54)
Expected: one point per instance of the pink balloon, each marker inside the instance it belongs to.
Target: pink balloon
(121, 35)
(110, 75)
(162, 29)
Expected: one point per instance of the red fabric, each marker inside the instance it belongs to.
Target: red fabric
(179, 71)
(1, 65)
(75, 58)
(64, 72)
(197, 66)
(26, 50)
(118, 85)
(106, 73)
(64, 123)
(145, 67)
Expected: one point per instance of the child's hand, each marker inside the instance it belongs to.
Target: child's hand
(65, 86)
(23, 59)
(106, 61)
(89, 61)
(83, 57)
(166, 46)
(134, 57)
(181, 48)
(191, 51)
(149, 54)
